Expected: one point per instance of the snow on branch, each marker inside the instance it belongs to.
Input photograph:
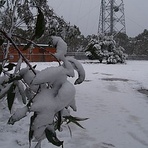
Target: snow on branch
(48, 93)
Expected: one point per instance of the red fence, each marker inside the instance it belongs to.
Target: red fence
(35, 54)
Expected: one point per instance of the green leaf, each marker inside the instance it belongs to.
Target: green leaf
(59, 121)
(10, 66)
(10, 96)
(31, 132)
(1, 69)
(1, 41)
(74, 120)
(40, 24)
(78, 124)
(52, 137)
(39, 28)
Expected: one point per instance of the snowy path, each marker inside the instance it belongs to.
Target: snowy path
(117, 112)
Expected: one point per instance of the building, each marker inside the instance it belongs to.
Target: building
(40, 53)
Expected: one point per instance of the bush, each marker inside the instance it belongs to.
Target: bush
(106, 49)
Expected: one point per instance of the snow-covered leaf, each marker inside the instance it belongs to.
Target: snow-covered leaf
(28, 76)
(2, 3)
(19, 114)
(18, 65)
(79, 68)
(21, 89)
(68, 68)
(65, 112)
(28, 94)
(50, 75)
(61, 47)
(5, 90)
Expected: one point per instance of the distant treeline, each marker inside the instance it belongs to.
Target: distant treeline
(134, 46)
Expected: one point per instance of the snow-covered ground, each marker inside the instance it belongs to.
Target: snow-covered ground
(117, 112)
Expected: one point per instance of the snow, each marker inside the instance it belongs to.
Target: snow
(79, 68)
(117, 112)
(61, 47)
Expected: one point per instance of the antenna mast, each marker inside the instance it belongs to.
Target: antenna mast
(112, 18)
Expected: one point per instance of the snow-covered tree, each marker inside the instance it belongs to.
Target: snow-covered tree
(16, 16)
(48, 93)
(105, 48)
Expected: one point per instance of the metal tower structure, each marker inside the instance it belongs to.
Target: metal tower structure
(112, 18)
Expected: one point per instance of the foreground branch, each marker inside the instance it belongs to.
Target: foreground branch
(37, 46)
(20, 53)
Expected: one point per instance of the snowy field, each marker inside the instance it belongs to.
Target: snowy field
(109, 97)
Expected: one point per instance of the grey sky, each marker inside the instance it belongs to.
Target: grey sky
(85, 14)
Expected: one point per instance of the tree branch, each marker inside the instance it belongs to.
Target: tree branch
(38, 46)
(20, 53)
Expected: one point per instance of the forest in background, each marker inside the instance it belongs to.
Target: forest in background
(137, 45)
(55, 25)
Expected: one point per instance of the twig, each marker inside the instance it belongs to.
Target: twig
(37, 46)
(26, 61)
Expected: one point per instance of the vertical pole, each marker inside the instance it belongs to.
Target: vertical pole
(111, 16)
(103, 16)
(101, 26)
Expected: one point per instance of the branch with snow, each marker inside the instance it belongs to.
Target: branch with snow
(48, 94)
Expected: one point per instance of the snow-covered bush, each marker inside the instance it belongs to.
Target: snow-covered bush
(94, 50)
(105, 48)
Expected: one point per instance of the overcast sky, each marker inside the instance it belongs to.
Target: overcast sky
(85, 14)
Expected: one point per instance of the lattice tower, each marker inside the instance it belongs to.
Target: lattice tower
(112, 18)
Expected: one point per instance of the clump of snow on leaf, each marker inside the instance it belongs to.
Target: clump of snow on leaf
(19, 114)
(61, 47)
(49, 92)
